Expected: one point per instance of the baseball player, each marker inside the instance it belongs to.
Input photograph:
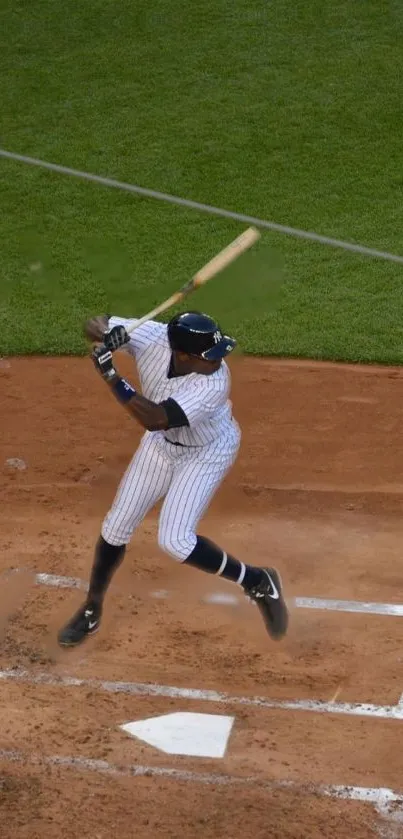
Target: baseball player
(190, 442)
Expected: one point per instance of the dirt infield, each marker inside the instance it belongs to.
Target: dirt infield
(318, 491)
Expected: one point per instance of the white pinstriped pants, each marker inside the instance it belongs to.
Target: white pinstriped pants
(187, 477)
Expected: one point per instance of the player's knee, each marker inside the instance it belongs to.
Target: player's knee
(170, 545)
(176, 543)
(117, 529)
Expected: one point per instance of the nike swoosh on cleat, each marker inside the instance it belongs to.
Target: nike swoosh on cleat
(274, 594)
(91, 624)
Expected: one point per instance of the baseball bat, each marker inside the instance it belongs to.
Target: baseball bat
(229, 254)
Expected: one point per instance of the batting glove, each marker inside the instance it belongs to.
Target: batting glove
(102, 358)
(115, 338)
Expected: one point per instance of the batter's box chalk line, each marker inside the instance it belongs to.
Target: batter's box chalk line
(232, 600)
(393, 712)
(388, 803)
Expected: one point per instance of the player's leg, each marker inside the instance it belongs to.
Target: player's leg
(192, 488)
(145, 481)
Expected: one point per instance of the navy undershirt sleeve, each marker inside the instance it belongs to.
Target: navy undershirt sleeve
(176, 416)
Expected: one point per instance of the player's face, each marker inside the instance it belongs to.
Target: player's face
(185, 363)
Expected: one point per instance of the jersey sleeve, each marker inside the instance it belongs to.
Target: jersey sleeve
(201, 398)
(142, 337)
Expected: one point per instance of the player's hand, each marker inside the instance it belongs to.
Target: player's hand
(94, 328)
(115, 338)
(102, 358)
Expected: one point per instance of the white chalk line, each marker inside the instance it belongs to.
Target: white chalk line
(387, 802)
(57, 581)
(395, 609)
(392, 609)
(204, 208)
(318, 706)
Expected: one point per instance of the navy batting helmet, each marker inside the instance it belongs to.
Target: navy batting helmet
(198, 334)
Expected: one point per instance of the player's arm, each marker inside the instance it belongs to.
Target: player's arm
(112, 332)
(151, 415)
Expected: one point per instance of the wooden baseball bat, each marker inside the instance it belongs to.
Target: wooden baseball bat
(241, 244)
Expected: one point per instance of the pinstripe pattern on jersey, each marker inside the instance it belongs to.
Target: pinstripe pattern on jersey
(187, 476)
(204, 399)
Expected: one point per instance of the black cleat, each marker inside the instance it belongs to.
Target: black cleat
(85, 622)
(268, 595)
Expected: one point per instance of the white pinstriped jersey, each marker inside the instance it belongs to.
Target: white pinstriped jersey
(204, 399)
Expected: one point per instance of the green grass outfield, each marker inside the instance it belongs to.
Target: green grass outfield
(289, 110)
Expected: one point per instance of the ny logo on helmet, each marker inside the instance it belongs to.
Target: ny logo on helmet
(217, 337)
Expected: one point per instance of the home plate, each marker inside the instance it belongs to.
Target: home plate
(184, 733)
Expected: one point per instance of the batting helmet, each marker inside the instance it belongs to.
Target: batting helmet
(198, 334)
